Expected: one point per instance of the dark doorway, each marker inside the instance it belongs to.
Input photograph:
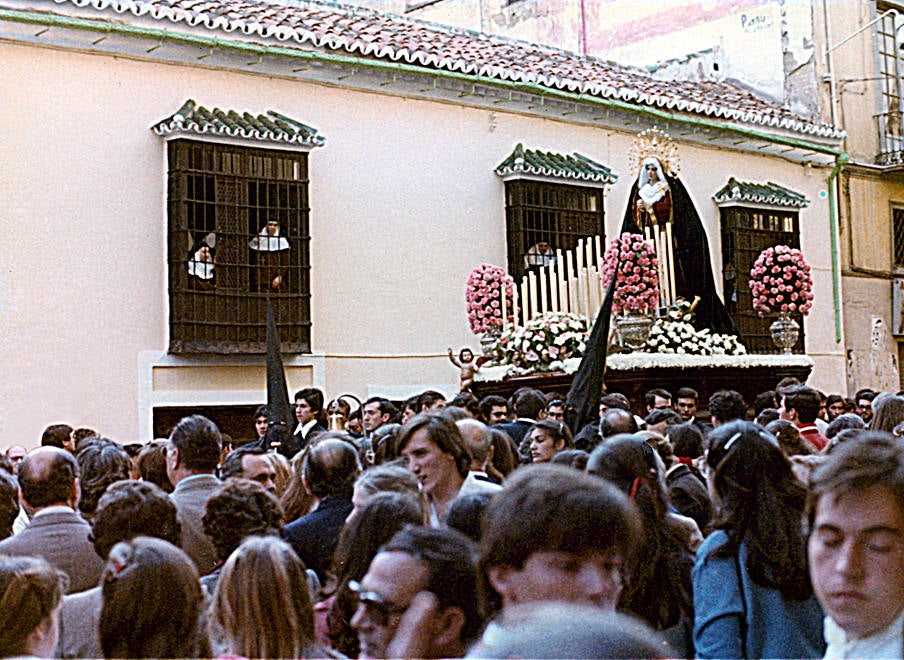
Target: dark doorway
(235, 421)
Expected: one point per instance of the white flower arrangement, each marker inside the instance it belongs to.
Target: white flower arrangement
(543, 344)
(637, 360)
(668, 336)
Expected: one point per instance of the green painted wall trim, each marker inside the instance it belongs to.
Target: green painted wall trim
(840, 161)
(158, 34)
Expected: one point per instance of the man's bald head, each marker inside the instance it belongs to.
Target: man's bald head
(49, 476)
(615, 421)
(331, 466)
(477, 441)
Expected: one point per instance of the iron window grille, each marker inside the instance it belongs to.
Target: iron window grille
(221, 197)
(559, 215)
(897, 220)
(900, 363)
(745, 233)
(891, 81)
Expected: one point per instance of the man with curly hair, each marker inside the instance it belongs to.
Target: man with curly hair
(726, 406)
(101, 462)
(239, 509)
(126, 510)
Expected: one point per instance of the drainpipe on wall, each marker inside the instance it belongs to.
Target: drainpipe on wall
(840, 161)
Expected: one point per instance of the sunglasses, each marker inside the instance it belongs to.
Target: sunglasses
(378, 609)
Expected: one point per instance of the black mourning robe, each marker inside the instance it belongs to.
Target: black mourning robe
(692, 259)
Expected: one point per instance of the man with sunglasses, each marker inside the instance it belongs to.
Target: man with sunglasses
(422, 588)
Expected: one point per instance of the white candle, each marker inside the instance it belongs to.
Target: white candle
(593, 286)
(542, 279)
(580, 294)
(502, 305)
(532, 288)
(514, 307)
(569, 277)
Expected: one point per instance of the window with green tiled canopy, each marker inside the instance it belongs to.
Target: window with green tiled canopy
(753, 218)
(238, 232)
(551, 198)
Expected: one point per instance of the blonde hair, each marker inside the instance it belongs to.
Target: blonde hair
(283, 471)
(262, 604)
(296, 500)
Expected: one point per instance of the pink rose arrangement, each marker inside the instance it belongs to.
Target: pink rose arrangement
(637, 284)
(483, 295)
(780, 281)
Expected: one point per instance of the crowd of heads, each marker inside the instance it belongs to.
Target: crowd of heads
(440, 518)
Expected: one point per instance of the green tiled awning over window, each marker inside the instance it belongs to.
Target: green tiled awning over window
(546, 164)
(271, 126)
(769, 194)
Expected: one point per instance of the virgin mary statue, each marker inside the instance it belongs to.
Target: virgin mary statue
(660, 208)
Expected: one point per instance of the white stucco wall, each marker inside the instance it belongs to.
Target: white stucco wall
(404, 203)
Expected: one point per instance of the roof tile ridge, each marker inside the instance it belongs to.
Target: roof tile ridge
(628, 88)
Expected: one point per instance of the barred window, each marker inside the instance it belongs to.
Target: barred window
(901, 365)
(897, 221)
(745, 233)
(891, 85)
(547, 213)
(238, 235)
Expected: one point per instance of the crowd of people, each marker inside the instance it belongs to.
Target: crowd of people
(480, 528)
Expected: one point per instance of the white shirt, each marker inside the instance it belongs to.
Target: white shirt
(21, 521)
(56, 508)
(304, 428)
(887, 643)
(473, 485)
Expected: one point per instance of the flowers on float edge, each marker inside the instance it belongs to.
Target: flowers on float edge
(544, 343)
(680, 337)
(646, 360)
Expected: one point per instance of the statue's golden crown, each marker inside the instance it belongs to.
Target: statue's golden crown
(654, 143)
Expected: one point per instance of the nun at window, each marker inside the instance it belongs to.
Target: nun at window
(201, 268)
(270, 255)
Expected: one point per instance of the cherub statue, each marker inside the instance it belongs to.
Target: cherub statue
(469, 366)
(682, 310)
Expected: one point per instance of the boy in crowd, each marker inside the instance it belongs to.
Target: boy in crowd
(856, 547)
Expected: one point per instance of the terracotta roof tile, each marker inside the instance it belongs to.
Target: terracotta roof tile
(373, 34)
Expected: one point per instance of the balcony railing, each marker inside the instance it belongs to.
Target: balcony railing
(891, 138)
